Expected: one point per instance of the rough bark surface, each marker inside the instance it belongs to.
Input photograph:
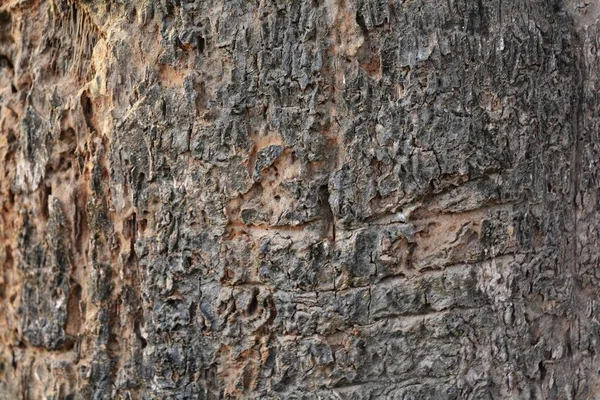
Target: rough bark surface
(332, 199)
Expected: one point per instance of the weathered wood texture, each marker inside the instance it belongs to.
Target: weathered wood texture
(299, 199)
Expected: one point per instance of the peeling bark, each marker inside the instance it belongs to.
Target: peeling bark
(291, 199)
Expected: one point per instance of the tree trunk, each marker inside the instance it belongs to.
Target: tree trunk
(326, 199)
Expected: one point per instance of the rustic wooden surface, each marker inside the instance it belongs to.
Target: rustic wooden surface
(301, 199)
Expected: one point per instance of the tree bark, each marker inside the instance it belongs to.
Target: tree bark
(328, 199)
